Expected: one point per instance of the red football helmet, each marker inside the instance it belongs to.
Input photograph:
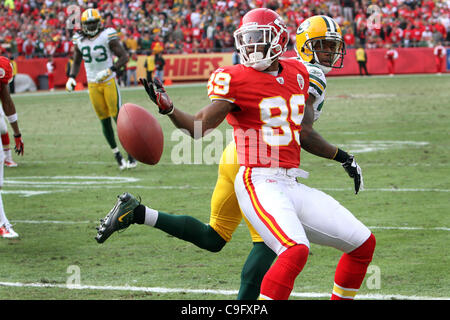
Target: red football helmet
(261, 38)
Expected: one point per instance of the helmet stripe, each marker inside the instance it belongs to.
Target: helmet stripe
(326, 22)
(331, 26)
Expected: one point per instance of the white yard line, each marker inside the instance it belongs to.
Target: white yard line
(207, 291)
(242, 224)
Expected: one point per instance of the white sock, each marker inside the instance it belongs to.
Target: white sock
(3, 219)
(151, 216)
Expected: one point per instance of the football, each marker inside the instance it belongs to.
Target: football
(140, 133)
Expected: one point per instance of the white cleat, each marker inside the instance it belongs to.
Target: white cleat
(8, 232)
(131, 163)
(10, 163)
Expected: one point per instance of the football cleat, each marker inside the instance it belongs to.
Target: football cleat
(131, 163)
(10, 163)
(120, 217)
(120, 161)
(8, 232)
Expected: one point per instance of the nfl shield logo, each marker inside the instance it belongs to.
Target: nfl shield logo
(280, 80)
(301, 81)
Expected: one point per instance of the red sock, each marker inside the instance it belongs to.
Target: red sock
(279, 279)
(5, 139)
(351, 270)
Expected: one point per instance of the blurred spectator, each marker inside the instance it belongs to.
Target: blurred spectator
(361, 58)
(51, 73)
(149, 66)
(159, 67)
(131, 69)
(440, 54)
(391, 56)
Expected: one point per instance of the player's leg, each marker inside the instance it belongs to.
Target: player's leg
(114, 102)
(9, 162)
(327, 222)
(264, 201)
(255, 267)
(97, 97)
(6, 230)
(129, 210)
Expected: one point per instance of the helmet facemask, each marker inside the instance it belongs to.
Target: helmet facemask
(91, 27)
(328, 52)
(258, 45)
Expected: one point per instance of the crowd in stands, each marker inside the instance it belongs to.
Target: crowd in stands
(42, 28)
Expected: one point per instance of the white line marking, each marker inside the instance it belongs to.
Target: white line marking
(50, 222)
(242, 224)
(207, 291)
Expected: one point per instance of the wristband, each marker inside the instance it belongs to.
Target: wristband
(341, 156)
(170, 112)
(12, 118)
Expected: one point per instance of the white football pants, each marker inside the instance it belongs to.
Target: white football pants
(285, 212)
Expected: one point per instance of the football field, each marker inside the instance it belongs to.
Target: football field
(397, 127)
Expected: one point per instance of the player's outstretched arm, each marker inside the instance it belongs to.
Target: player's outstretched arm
(314, 143)
(196, 125)
(77, 57)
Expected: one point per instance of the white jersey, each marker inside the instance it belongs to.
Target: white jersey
(317, 86)
(96, 53)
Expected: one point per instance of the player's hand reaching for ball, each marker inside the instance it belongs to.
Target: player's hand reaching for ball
(158, 95)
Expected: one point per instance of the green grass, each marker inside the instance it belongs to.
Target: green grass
(407, 185)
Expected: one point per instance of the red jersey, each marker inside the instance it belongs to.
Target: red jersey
(5, 70)
(268, 114)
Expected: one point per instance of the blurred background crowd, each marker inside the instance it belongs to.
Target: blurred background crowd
(40, 28)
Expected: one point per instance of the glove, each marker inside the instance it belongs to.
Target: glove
(19, 144)
(158, 96)
(103, 75)
(355, 172)
(70, 84)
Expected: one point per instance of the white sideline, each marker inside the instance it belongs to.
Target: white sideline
(208, 291)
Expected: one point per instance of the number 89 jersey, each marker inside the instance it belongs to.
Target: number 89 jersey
(269, 111)
(96, 53)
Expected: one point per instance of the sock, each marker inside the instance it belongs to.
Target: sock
(279, 280)
(258, 262)
(351, 270)
(181, 226)
(108, 132)
(5, 140)
(145, 215)
(3, 219)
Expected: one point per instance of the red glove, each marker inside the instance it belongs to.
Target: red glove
(159, 95)
(19, 144)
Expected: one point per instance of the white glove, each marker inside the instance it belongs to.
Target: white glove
(103, 75)
(70, 84)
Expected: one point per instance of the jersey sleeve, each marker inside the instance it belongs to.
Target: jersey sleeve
(112, 34)
(221, 85)
(317, 81)
(5, 70)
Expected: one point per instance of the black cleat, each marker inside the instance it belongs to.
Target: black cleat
(120, 217)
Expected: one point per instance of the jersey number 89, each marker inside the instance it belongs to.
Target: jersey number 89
(281, 118)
